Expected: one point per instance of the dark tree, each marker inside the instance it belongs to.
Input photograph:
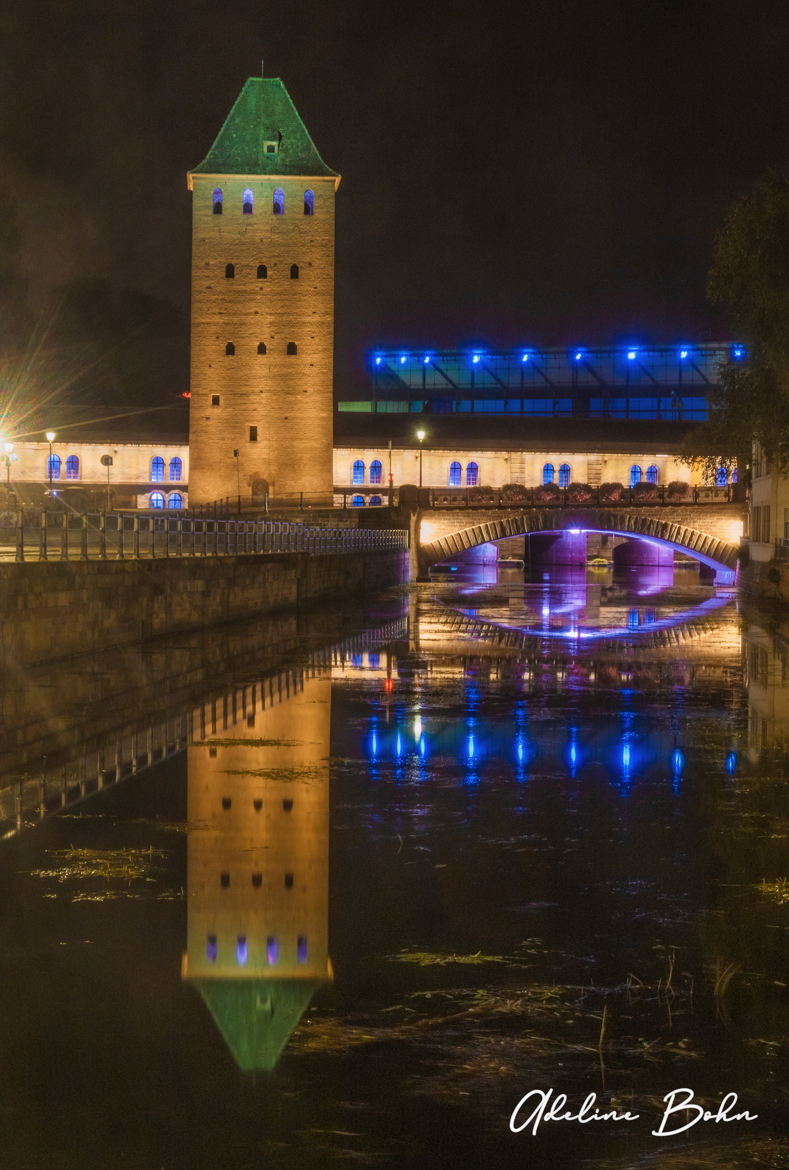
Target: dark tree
(749, 278)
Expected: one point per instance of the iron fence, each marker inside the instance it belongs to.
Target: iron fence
(47, 535)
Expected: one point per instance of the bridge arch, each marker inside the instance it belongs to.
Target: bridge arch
(720, 555)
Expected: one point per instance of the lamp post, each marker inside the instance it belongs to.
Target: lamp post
(420, 435)
(106, 461)
(50, 437)
(8, 459)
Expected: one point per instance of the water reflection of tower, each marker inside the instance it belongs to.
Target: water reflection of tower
(767, 677)
(258, 864)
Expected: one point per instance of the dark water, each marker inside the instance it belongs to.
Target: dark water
(354, 898)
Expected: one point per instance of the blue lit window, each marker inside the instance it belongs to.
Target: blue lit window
(72, 467)
(472, 474)
(548, 473)
(357, 502)
(564, 475)
(721, 477)
(175, 500)
(455, 472)
(176, 467)
(357, 474)
(217, 197)
(635, 475)
(211, 948)
(157, 500)
(735, 476)
(375, 471)
(652, 473)
(309, 202)
(242, 952)
(278, 204)
(157, 469)
(375, 501)
(272, 951)
(301, 949)
(53, 467)
(247, 202)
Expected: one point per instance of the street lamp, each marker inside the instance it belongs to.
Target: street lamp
(8, 459)
(420, 435)
(50, 437)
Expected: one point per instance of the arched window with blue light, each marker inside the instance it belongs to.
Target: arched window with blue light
(175, 500)
(53, 467)
(357, 502)
(357, 471)
(721, 477)
(247, 202)
(309, 202)
(157, 500)
(564, 475)
(217, 200)
(376, 470)
(278, 202)
(548, 472)
(157, 469)
(72, 467)
(375, 501)
(652, 473)
(455, 472)
(635, 475)
(176, 469)
(735, 475)
(472, 474)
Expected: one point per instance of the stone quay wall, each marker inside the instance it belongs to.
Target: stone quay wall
(53, 609)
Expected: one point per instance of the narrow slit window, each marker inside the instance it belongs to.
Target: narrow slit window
(230, 349)
(215, 400)
(292, 348)
(261, 347)
(253, 434)
(294, 272)
(278, 202)
(230, 271)
(309, 202)
(248, 202)
(217, 200)
(262, 272)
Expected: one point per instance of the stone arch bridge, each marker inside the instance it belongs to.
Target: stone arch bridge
(708, 532)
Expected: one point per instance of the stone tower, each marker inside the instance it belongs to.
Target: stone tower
(262, 316)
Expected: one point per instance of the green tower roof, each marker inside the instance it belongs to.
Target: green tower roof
(263, 117)
(257, 1016)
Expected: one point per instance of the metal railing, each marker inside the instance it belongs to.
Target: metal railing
(550, 496)
(66, 536)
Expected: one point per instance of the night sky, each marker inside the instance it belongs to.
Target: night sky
(542, 173)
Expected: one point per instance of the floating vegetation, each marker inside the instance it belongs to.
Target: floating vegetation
(278, 773)
(127, 895)
(429, 959)
(776, 891)
(109, 865)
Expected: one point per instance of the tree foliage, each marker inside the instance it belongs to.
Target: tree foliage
(749, 278)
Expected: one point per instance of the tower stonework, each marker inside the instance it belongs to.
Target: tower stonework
(262, 312)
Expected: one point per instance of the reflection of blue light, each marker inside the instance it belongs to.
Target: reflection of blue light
(402, 361)
(399, 745)
(475, 358)
(626, 757)
(241, 950)
(524, 357)
(678, 761)
(731, 763)
(520, 751)
(573, 754)
(470, 747)
(574, 531)
(683, 353)
(631, 355)
(578, 356)
(426, 358)
(422, 746)
(378, 361)
(738, 352)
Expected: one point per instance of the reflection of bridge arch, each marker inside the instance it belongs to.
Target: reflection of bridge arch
(703, 546)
